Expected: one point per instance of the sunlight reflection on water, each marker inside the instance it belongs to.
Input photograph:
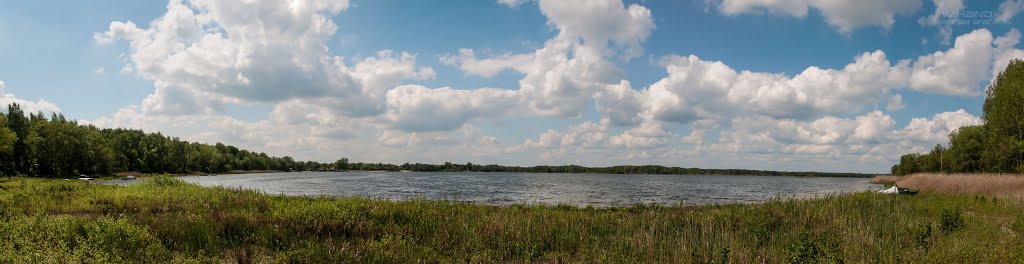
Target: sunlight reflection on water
(532, 188)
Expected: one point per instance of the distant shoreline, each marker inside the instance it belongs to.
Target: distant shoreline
(343, 165)
(702, 172)
(784, 174)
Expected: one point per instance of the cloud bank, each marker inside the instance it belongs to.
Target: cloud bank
(28, 106)
(203, 56)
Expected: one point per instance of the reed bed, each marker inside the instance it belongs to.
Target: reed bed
(991, 184)
(165, 220)
(885, 179)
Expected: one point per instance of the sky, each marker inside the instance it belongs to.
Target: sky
(796, 85)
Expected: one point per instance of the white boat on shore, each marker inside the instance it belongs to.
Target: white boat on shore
(898, 190)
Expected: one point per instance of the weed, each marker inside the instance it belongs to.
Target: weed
(924, 237)
(951, 220)
(163, 219)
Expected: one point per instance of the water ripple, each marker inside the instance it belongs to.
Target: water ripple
(531, 188)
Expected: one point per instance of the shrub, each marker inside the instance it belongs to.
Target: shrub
(65, 238)
(951, 220)
(804, 250)
(165, 181)
(923, 238)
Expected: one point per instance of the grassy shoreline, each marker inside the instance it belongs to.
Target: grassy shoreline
(989, 184)
(166, 220)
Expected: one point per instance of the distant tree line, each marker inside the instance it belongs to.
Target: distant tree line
(35, 145)
(343, 164)
(995, 146)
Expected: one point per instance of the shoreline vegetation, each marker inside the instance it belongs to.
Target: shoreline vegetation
(120, 175)
(629, 170)
(162, 219)
(1003, 185)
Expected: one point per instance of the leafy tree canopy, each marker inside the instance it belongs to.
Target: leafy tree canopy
(996, 146)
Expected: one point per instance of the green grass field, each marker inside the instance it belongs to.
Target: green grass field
(166, 220)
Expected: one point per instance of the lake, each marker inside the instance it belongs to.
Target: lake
(541, 188)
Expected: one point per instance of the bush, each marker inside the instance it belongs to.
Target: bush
(66, 239)
(951, 220)
(165, 181)
(923, 238)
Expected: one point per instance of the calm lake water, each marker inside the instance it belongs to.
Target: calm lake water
(533, 188)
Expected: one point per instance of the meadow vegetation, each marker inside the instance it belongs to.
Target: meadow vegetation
(163, 219)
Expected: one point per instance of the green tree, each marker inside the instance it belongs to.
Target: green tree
(7, 141)
(341, 164)
(1004, 112)
(965, 148)
(996, 146)
(19, 124)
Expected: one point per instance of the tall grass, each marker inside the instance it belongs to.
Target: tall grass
(167, 220)
(885, 179)
(1003, 185)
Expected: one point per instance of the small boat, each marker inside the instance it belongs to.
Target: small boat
(898, 190)
(906, 191)
(128, 178)
(85, 177)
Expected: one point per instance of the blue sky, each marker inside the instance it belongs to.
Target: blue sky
(521, 82)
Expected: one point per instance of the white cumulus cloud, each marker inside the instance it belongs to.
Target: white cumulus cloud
(204, 53)
(1006, 51)
(944, 17)
(561, 77)
(868, 142)
(28, 106)
(699, 90)
(599, 23)
(511, 3)
(936, 130)
(895, 103)
(957, 71)
(417, 108)
(1008, 9)
(845, 16)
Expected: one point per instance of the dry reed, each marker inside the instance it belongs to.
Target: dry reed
(1006, 185)
(885, 179)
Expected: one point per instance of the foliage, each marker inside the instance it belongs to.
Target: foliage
(57, 147)
(996, 146)
(923, 239)
(987, 184)
(165, 220)
(7, 141)
(951, 220)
